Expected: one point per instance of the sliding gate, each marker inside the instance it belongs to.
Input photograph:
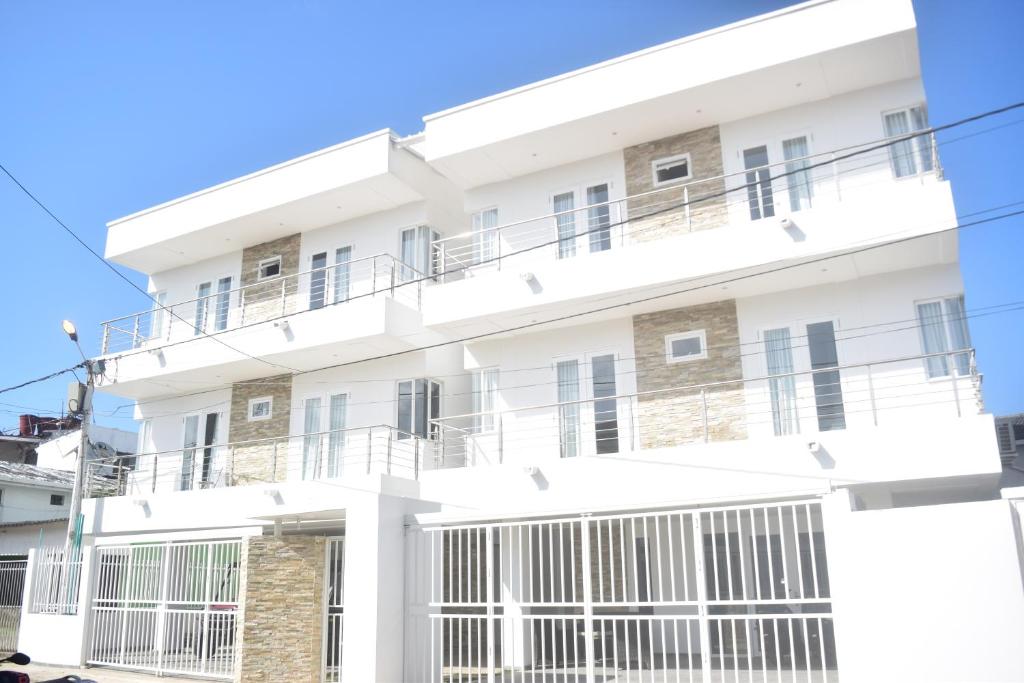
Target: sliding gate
(166, 607)
(730, 593)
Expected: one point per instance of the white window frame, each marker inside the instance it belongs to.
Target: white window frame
(63, 499)
(587, 400)
(580, 218)
(269, 400)
(671, 161)
(260, 277)
(920, 171)
(950, 355)
(440, 405)
(481, 420)
(485, 245)
(700, 334)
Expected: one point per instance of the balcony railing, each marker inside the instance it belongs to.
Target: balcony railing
(376, 449)
(851, 396)
(268, 299)
(757, 192)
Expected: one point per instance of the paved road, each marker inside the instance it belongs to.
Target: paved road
(39, 672)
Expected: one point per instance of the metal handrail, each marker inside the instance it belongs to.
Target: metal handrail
(264, 283)
(710, 385)
(678, 186)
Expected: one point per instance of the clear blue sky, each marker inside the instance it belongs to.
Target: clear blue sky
(107, 108)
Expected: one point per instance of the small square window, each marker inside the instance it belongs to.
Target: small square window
(261, 408)
(686, 346)
(56, 499)
(268, 268)
(671, 169)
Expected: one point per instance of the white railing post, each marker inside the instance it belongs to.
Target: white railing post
(588, 597)
(373, 276)
(369, 448)
(135, 331)
(391, 436)
(702, 598)
(951, 362)
(501, 439)
(283, 280)
(704, 412)
(105, 345)
(871, 396)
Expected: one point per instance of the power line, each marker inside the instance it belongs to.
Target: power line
(119, 273)
(42, 379)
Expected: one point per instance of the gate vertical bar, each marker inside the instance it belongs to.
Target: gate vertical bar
(588, 597)
(702, 598)
(162, 598)
(489, 540)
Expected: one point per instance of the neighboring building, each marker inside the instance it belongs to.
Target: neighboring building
(32, 431)
(1010, 435)
(34, 504)
(106, 443)
(626, 374)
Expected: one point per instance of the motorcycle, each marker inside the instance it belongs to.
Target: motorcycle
(21, 659)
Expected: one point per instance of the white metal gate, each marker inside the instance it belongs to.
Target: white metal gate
(334, 610)
(166, 607)
(728, 593)
(12, 591)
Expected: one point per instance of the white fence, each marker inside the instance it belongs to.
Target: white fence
(735, 593)
(12, 588)
(52, 592)
(166, 607)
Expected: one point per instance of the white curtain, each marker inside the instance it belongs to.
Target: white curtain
(336, 438)
(485, 399)
(919, 121)
(188, 453)
(220, 321)
(779, 353)
(408, 252)
(202, 301)
(311, 440)
(959, 335)
(569, 415)
(566, 224)
(799, 180)
(156, 318)
(485, 238)
(599, 218)
(342, 273)
(933, 337)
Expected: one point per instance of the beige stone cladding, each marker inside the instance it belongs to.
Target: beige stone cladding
(266, 460)
(672, 418)
(705, 149)
(277, 296)
(281, 635)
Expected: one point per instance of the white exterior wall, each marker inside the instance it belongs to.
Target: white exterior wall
(22, 503)
(18, 540)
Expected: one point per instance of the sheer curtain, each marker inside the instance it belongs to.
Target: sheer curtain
(485, 399)
(778, 351)
(342, 273)
(959, 335)
(599, 218)
(336, 437)
(485, 239)
(566, 224)
(900, 153)
(919, 120)
(311, 440)
(933, 337)
(799, 182)
(569, 415)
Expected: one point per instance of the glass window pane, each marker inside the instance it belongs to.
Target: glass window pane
(311, 440)
(599, 218)
(420, 422)
(569, 414)
(759, 187)
(485, 238)
(687, 346)
(336, 437)
(606, 418)
(959, 335)
(318, 281)
(828, 390)
(202, 302)
(798, 182)
(485, 399)
(404, 409)
(933, 337)
(188, 453)
(901, 154)
(919, 121)
(342, 273)
(156, 318)
(671, 170)
(565, 224)
(435, 408)
(223, 304)
(779, 354)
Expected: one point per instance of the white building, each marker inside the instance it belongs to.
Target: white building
(658, 368)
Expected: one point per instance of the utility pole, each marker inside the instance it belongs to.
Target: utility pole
(79, 403)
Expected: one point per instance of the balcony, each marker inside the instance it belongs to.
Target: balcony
(775, 214)
(313, 318)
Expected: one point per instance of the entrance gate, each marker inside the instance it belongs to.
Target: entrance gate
(334, 609)
(739, 592)
(12, 591)
(166, 607)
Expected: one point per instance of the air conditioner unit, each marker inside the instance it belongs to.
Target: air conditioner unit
(1004, 435)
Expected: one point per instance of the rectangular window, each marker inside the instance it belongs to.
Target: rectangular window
(342, 273)
(485, 237)
(188, 451)
(759, 186)
(419, 402)
(261, 408)
(606, 413)
(828, 389)
(318, 281)
(599, 218)
(670, 170)
(336, 435)
(268, 268)
(943, 326)
(909, 157)
(416, 247)
(145, 437)
(157, 316)
(565, 223)
(202, 304)
(568, 372)
(56, 499)
(798, 180)
(782, 390)
(686, 346)
(223, 304)
(312, 438)
(485, 399)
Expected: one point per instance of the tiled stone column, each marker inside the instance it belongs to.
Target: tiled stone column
(275, 298)
(672, 418)
(260, 461)
(282, 612)
(705, 149)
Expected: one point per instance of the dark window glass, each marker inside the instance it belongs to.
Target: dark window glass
(828, 392)
(678, 169)
(318, 281)
(606, 419)
(759, 187)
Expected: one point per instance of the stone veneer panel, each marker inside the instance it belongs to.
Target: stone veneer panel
(257, 462)
(273, 299)
(672, 418)
(705, 149)
(281, 636)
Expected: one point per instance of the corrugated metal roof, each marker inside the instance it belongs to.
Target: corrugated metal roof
(18, 473)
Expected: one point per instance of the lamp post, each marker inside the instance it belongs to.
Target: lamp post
(80, 404)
